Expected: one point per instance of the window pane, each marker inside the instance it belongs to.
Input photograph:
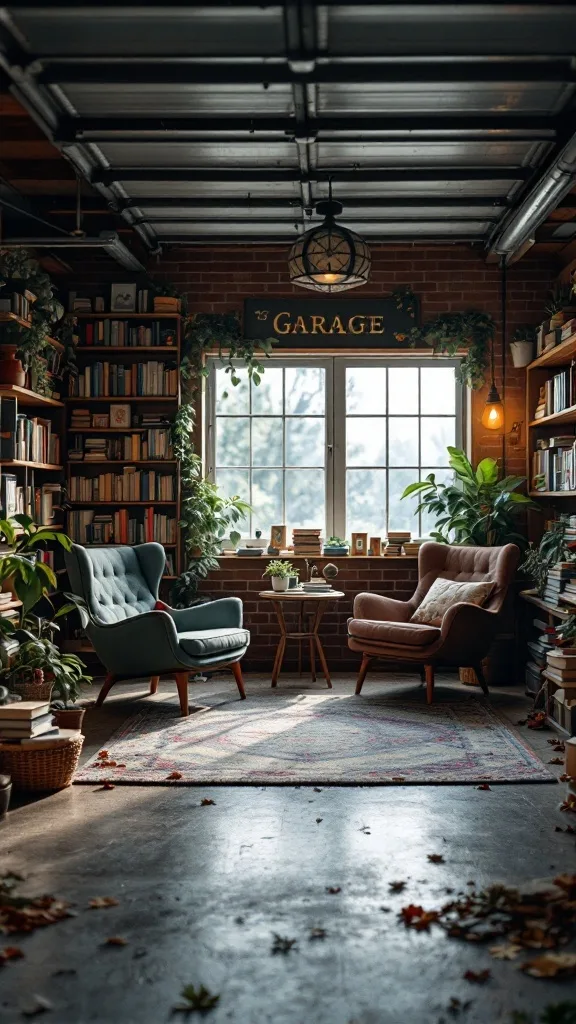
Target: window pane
(403, 443)
(437, 389)
(365, 389)
(305, 498)
(267, 396)
(237, 397)
(402, 389)
(401, 512)
(366, 441)
(305, 390)
(305, 442)
(231, 482)
(266, 499)
(442, 476)
(366, 502)
(232, 441)
(437, 434)
(266, 441)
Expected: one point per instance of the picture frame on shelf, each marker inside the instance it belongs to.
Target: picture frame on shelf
(359, 544)
(101, 420)
(375, 547)
(123, 298)
(121, 415)
(278, 537)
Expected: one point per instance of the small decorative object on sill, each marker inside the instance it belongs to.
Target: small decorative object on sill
(396, 540)
(359, 543)
(375, 546)
(245, 552)
(330, 571)
(336, 547)
(278, 537)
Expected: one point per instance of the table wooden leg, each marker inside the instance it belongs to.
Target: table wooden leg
(315, 627)
(281, 643)
(312, 660)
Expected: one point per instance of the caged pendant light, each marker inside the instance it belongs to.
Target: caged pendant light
(329, 257)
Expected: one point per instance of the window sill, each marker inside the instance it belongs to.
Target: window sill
(323, 558)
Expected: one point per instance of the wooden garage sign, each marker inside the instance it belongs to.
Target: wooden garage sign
(330, 322)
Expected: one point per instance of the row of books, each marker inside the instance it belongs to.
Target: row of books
(100, 380)
(154, 444)
(18, 303)
(125, 333)
(307, 542)
(38, 502)
(35, 441)
(547, 339)
(557, 394)
(121, 527)
(134, 300)
(130, 485)
(554, 464)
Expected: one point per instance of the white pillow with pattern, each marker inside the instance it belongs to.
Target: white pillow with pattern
(444, 593)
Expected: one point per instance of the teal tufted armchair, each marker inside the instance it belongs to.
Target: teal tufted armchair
(136, 635)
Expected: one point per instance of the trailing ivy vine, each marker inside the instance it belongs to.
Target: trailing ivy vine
(18, 264)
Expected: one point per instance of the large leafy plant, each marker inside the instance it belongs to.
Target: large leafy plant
(41, 654)
(477, 509)
(553, 547)
(30, 578)
(19, 264)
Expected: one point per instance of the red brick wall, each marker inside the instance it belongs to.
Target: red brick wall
(243, 578)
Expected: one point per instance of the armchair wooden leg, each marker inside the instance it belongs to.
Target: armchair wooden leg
(182, 687)
(239, 681)
(422, 675)
(366, 660)
(429, 671)
(106, 687)
(154, 680)
(480, 677)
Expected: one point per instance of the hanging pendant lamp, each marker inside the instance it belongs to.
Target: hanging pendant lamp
(329, 257)
(493, 415)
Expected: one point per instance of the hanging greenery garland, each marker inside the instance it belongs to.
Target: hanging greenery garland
(21, 266)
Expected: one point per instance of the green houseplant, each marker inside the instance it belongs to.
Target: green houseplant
(336, 546)
(523, 345)
(280, 573)
(20, 266)
(553, 547)
(450, 333)
(478, 508)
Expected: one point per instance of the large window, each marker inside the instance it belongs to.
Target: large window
(332, 443)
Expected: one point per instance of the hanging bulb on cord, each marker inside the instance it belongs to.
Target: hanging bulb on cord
(493, 415)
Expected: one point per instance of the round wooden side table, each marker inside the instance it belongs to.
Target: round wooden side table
(319, 601)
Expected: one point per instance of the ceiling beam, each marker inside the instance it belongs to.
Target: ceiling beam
(310, 222)
(348, 202)
(163, 71)
(387, 175)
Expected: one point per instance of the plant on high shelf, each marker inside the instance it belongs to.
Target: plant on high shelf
(523, 345)
(557, 300)
(18, 265)
(207, 518)
(280, 573)
(477, 509)
(553, 548)
(37, 666)
(450, 333)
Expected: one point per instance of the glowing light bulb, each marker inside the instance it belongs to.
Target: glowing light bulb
(493, 415)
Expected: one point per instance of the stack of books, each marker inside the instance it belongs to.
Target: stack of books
(307, 542)
(95, 449)
(537, 651)
(79, 304)
(558, 576)
(412, 547)
(167, 304)
(317, 586)
(80, 419)
(540, 411)
(568, 595)
(6, 597)
(396, 540)
(24, 721)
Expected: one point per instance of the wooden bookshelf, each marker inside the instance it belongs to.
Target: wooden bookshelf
(167, 406)
(27, 397)
(30, 465)
(13, 318)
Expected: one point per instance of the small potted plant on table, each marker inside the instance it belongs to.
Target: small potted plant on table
(280, 573)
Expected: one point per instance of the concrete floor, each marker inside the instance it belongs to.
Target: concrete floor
(202, 889)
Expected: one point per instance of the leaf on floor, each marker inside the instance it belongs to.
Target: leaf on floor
(551, 965)
(317, 933)
(103, 755)
(174, 776)
(567, 778)
(398, 778)
(282, 944)
(418, 918)
(569, 804)
(207, 802)
(196, 1000)
(436, 858)
(333, 889)
(10, 953)
(536, 720)
(101, 902)
(556, 760)
(484, 786)
(317, 789)
(477, 977)
(397, 886)
(570, 830)
(318, 820)
(505, 952)
(19, 914)
(115, 940)
(105, 785)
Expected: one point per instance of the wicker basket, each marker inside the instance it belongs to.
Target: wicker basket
(32, 691)
(47, 768)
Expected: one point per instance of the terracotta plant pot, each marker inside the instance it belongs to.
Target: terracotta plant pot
(11, 369)
(69, 718)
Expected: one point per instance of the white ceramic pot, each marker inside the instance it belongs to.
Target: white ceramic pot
(522, 352)
(280, 583)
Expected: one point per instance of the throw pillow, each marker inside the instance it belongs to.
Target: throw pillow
(444, 593)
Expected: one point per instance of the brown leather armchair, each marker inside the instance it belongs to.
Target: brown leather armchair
(381, 626)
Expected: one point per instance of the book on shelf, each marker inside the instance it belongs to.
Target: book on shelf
(24, 499)
(35, 440)
(154, 444)
(130, 485)
(126, 334)
(8, 417)
(122, 527)
(554, 466)
(114, 380)
(17, 302)
(568, 329)
(8, 495)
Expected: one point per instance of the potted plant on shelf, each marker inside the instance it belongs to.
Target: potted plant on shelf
(522, 346)
(18, 265)
(559, 298)
(280, 572)
(336, 547)
(553, 548)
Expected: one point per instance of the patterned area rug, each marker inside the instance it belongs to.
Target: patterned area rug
(316, 739)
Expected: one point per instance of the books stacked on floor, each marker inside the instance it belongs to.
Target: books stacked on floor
(307, 542)
(412, 547)
(80, 419)
(131, 485)
(560, 673)
(24, 721)
(537, 652)
(396, 540)
(561, 667)
(554, 464)
(103, 380)
(558, 576)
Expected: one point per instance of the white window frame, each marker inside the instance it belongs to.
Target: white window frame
(335, 417)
